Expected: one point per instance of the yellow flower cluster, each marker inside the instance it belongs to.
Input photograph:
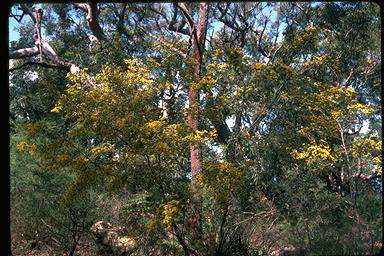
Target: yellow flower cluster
(321, 151)
(104, 147)
(155, 124)
(366, 146)
(57, 108)
(200, 136)
(314, 153)
(24, 146)
(377, 160)
(365, 109)
(317, 60)
(369, 147)
(299, 155)
(222, 176)
(173, 130)
(336, 115)
(310, 28)
(169, 211)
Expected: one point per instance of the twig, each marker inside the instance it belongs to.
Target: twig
(182, 54)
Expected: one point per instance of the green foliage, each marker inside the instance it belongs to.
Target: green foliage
(285, 160)
(39, 213)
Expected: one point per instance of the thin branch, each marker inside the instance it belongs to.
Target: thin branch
(365, 177)
(51, 54)
(274, 54)
(348, 78)
(158, 12)
(259, 41)
(303, 10)
(223, 12)
(28, 11)
(185, 11)
(221, 234)
(124, 8)
(176, 26)
(230, 24)
(37, 36)
(346, 154)
(192, 30)
(182, 54)
(18, 18)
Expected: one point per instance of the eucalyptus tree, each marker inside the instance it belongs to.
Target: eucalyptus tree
(231, 101)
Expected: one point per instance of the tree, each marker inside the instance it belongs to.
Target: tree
(203, 128)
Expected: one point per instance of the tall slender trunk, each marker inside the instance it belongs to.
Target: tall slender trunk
(198, 34)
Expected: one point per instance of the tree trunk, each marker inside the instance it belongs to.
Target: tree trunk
(198, 39)
(198, 35)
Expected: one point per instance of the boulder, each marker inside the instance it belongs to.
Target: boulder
(288, 250)
(113, 238)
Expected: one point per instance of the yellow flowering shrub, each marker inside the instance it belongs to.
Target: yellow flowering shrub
(220, 177)
(200, 136)
(314, 153)
(370, 148)
(169, 211)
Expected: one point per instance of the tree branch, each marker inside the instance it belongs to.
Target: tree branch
(45, 65)
(185, 11)
(172, 25)
(182, 54)
(192, 30)
(92, 19)
(231, 24)
(124, 8)
(45, 49)
(259, 41)
(28, 11)
(268, 108)
(176, 26)
(223, 12)
(81, 6)
(24, 52)
(346, 82)
(18, 18)
(365, 177)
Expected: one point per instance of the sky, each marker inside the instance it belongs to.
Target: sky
(13, 35)
(13, 24)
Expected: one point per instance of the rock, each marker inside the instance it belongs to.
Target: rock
(112, 238)
(288, 250)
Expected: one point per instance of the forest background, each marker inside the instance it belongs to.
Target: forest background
(246, 128)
